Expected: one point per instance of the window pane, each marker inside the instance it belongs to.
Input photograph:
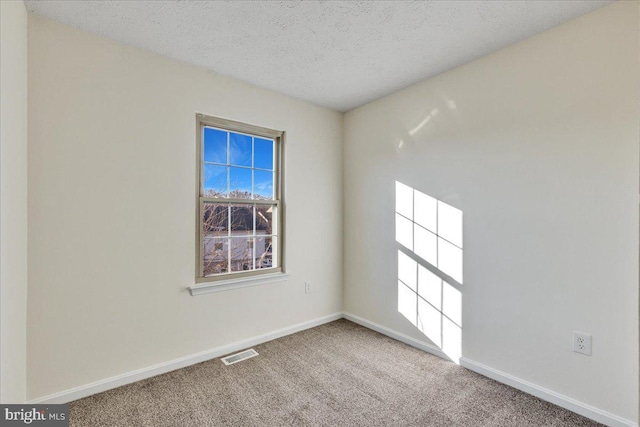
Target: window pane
(263, 184)
(240, 183)
(265, 252)
(215, 146)
(264, 219)
(241, 253)
(215, 181)
(263, 153)
(241, 220)
(215, 256)
(240, 149)
(215, 219)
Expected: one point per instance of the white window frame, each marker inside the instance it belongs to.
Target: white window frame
(239, 278)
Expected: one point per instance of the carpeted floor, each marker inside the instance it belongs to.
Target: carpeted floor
(338, 374)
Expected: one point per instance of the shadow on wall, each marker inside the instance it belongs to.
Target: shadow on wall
(430, 267)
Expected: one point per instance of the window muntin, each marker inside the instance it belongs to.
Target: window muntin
(239, 200)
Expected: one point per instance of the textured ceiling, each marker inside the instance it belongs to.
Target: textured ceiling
(338, 54)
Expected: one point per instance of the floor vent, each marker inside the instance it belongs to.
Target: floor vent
(239, 357)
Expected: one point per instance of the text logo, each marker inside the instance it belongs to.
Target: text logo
(34, 415)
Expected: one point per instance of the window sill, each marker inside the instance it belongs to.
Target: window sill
(244, 282)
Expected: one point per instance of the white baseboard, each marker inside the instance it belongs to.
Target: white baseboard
(162, 368)
(550, 396)
(429, 348)
(504, 378)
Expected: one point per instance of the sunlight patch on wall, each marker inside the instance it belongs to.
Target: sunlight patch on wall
(430, 267)
(431, 229)
(433, 114)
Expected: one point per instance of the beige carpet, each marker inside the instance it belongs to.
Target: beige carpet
(338, 374)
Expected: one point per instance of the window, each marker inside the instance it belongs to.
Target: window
(239, 200)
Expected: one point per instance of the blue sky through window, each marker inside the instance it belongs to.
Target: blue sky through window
(215, 146)
(215, 179)
(237, 165)
(240, 149)
(263, 184)
(240, 179)
(263, 152)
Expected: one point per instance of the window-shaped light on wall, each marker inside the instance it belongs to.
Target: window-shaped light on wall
(430, 267)
(431, 229)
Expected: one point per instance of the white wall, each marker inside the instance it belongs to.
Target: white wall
(112, 159)
(537, 144)
(13, 201)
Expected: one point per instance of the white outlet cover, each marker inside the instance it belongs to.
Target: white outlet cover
(582, 343)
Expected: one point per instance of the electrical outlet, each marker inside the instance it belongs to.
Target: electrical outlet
(582, 343)
(307, 287)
